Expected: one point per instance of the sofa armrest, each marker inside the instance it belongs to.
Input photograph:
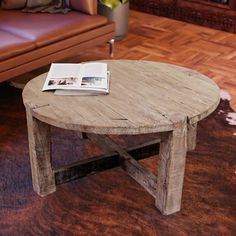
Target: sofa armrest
(86, 6)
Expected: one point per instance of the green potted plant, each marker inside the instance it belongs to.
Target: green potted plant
(117, 11)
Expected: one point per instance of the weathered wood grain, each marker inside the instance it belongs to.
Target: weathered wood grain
(171, 168)
(191, 136)
(40, 155)
(104, 162)
(142, 95)
(138, 172)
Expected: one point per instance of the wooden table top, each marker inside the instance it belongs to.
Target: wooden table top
(144, 98)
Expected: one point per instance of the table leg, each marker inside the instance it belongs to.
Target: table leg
(43, 176)
(192, 136)
(173, 148)
(111, 47)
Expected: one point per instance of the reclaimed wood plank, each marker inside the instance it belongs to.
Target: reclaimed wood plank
(138, 101)
(192, 136)
(134, 169)
(107, 161)
(40, 155)
(173, 148)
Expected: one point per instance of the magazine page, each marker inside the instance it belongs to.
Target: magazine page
(63, 76)
(94, 76)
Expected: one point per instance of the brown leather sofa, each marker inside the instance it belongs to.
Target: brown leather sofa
(32, 40)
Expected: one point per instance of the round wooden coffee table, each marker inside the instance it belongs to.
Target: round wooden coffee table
(145, 97)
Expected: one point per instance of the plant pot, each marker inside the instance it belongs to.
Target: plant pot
(120, 15)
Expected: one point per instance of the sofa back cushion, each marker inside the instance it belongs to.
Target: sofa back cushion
(49, 6)
(86, 6)
(42, 3)
(12, 4)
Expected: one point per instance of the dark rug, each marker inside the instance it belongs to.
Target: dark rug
(110, 202)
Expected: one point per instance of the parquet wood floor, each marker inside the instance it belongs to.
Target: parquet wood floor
(155, 38)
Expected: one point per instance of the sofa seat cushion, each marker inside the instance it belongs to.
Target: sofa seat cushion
(12, 45)
(45, 28)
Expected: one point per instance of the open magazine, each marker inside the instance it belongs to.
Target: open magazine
(78, 79)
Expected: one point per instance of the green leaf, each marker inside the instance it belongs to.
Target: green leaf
(124, 1)
(112, 3)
